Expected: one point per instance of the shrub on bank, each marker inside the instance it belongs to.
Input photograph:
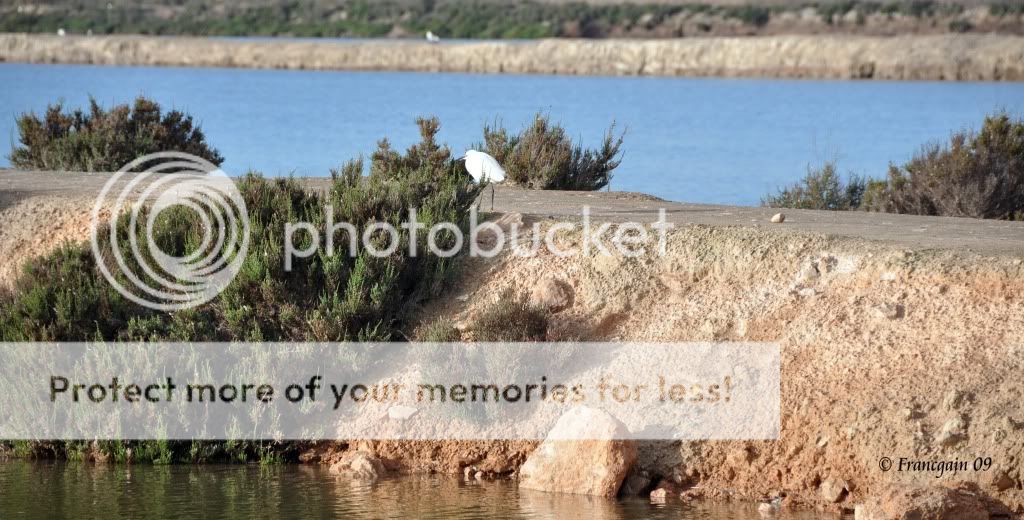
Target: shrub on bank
(821, 188)
(64, 297)
(979, 175)
(511, 318)
(105, 140)
(543, 157)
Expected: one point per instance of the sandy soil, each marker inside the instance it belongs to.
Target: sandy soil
(31, 227)
(892, 348)
(883, 348)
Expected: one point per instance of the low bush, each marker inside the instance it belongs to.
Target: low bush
(979, 175)
(441, 330)
(755, 15)
(543, 157)
(821, 188)
(64, 297)
(102, 140)
(511, 318)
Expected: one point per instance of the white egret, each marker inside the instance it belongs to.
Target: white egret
(433, 38)
(484, 168)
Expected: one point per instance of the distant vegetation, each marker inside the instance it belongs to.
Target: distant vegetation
(978, 174)
(543, 157)
(105, 140)
(500, 19)
(821, 188)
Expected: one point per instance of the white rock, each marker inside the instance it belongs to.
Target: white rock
(401, 412)
(833, 490)
(778, 218)
(952, 432)
(808, 273)
(358, 465)
(590, 467)
(552, 295)
(888, 311)
(659, 495)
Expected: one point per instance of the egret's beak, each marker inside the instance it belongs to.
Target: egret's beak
(463, 158)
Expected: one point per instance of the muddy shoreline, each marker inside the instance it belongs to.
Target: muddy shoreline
(968, 57)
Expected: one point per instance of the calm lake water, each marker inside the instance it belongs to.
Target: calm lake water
(696, 140)
(292, 491)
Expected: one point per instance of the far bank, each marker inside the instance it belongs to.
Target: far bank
(933, 57)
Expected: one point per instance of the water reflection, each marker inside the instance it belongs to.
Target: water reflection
(69, 490)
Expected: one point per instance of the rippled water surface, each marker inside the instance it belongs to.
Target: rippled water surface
(39, 490)
(696, 140)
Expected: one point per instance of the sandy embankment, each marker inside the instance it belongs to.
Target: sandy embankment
(888, 349)
(935, 57)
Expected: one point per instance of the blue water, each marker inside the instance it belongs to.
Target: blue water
(697, 140)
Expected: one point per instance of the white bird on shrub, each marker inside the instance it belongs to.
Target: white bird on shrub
(484, 168)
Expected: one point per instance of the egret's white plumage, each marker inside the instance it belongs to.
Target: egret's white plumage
(482, 166)
(433, 38)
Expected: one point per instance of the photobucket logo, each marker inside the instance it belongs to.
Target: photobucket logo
(483, 240)
(131, 258)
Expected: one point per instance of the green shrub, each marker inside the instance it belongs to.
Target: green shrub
(441, 330)
(755, 15)
(63, 296)
(101, 140)
(511, 318)
(960, 26)
(485, 19)
(820, 189)
(543, 157)
(979, 175)
(1001, 9)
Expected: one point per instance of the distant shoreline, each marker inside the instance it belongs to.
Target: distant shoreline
(968, 57)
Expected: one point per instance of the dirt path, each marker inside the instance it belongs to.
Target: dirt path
(985, 237)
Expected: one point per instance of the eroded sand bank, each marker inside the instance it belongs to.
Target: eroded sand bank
(895, 348)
